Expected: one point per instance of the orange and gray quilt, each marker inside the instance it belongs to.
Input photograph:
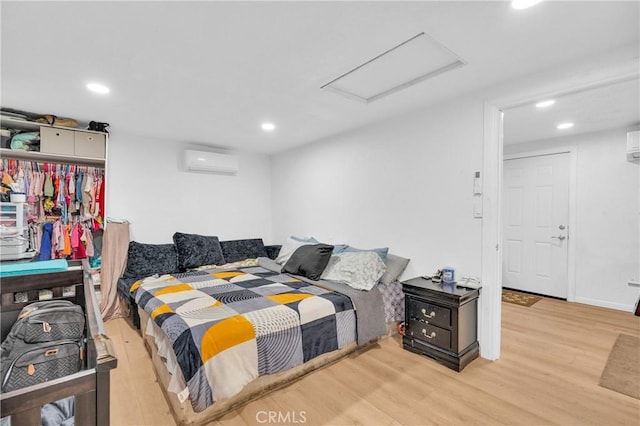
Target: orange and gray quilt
(228, 327)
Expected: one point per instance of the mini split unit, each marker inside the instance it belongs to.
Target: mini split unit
(211, 162)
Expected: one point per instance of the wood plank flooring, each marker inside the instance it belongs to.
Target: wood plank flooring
(553, 354)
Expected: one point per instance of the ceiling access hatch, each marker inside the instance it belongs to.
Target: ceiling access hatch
(417, 59)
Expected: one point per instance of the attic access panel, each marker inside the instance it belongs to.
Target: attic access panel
(419, 58)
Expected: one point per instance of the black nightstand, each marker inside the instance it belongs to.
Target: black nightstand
(441, 321)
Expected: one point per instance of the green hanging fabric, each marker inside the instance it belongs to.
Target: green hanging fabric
(48, 186)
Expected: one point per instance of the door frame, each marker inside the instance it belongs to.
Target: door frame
(490, 309)
(572, 216)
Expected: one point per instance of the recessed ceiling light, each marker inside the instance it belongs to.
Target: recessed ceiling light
(544, 104)
(98, 88)
(268, 127)
(524, 4)
(563, 126)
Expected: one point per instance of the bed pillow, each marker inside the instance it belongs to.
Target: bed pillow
(310, 240)
(360, 270)
(339, 248)
(309, 261)
(288, 248)
(395, 267)
(273, 250)
(382, 251)
(197, 250)
(144, 260)
(237, 250)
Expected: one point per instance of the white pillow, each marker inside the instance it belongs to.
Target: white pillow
(288, 248)
(360, 270)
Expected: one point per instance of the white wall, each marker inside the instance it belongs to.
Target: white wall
(405, 183)
(607, 228)
(147, 187)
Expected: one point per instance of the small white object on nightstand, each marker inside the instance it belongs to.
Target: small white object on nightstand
(469, 282)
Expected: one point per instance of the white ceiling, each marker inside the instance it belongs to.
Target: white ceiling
(211, 72)
(608, 107)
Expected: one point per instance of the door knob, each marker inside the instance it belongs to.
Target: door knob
(560, 237)
(561, 227)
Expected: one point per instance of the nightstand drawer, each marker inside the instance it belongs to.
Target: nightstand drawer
(430, 334)
(429, 313)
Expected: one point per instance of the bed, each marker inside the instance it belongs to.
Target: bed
(220, 336)
(90, 386)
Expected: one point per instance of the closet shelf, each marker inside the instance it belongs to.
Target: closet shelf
(54, 158)
(18, 124)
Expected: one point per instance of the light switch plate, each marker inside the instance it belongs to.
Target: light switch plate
(477, 208)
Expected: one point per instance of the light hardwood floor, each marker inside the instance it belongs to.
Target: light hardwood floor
(553, 354)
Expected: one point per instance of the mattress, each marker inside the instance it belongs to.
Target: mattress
(183, 411)
(222, 329)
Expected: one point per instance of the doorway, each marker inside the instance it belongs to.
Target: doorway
(492, 238)
(536, 223)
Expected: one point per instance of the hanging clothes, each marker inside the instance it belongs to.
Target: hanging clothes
(79, 187)
(45, 244)
(67, 196)
(100, 196)
(87, 196)
(61, 198)
(48, 186)
(67, 250)
(87, 238)
(77, 244)
(31, 195)
(71, 189)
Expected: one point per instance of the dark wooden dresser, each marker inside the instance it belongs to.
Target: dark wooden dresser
(441, 321)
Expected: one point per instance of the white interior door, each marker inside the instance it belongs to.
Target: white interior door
(536, 214)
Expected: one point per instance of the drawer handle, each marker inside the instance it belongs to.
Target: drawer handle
(431, 315)
(430, 336)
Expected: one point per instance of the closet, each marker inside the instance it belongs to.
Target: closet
(63, 181)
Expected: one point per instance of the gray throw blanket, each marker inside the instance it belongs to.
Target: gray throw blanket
(369, 307)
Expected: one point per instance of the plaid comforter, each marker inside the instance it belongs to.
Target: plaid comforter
(228, 327)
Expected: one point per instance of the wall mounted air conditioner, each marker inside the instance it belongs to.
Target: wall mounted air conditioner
(633, 146)
(211, 162)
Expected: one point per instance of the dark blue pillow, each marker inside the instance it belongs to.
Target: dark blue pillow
(144, 260)
(197, 250)
(237, 250)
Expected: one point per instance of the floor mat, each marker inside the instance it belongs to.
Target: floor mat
(517, 298)
(622, 371)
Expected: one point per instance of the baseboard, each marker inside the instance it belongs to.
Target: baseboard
(606, 304)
